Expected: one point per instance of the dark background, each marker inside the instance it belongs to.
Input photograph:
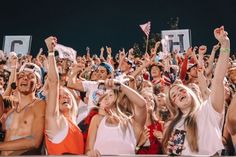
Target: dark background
(97, 23)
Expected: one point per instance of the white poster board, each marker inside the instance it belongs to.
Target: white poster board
(177, 39)
(18, 44)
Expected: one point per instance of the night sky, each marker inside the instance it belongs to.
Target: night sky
(113, 22)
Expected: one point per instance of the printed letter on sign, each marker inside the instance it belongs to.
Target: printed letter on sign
(18, 44)
(177, 39)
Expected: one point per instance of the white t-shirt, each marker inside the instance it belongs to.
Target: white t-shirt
(92, 91)
(210, 124)
(93, 94)
(82, 111)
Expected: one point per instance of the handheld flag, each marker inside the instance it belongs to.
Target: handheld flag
(146, 28)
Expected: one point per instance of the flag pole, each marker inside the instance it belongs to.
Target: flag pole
(147, 44)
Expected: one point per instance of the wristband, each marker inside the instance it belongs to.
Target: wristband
(50, 54)
(225, 50)
(137, 148)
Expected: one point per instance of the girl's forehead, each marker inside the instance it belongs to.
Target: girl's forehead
(161, 94)
(64, 91)
(175, 89)
(109, 91)
(25, 72)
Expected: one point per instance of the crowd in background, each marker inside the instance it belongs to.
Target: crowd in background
(120, 103)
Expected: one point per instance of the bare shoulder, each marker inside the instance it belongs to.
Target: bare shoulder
(39, 106)
(97, 119)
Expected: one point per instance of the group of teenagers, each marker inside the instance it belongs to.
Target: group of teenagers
(181, 104)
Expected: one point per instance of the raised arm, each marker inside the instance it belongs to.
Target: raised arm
(52, 108)
(145, 64)
(184, 65)
(13, 64)
(217, 90)
(102, 53)
(121, 57)
(211, 59)
(73, 82)
(139, 102)
(203, 85)
(109, 57)
(201, 52)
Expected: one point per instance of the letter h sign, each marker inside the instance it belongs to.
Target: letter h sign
(176, 40)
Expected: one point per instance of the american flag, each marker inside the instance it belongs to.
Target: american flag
(146, 28)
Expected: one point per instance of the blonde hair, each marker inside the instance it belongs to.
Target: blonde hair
(74, 108)
(149, 90)
(122, 110)
(190, 123)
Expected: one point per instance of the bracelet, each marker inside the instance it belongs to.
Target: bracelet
(225, 50)
(51, 54)
(137, 148)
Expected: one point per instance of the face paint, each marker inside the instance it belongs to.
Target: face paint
(26, 84)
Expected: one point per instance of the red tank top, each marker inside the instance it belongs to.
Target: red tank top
(72, 144)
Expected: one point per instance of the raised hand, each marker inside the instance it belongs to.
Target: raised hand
(216, 47)
(222, 36)
(131, 51)
(131, 54)
(13, 60)
(112, 83)
(157, 45)
(189, 52)
(51, 43)
(202, 50)
(108, 50)
(102, 49)
(121, 55)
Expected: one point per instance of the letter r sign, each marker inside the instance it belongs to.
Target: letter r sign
(18, 44)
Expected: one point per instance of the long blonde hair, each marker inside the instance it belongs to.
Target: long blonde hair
(74, 108)
(190, 122)
(122, 110)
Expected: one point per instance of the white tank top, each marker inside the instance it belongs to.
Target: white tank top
(112, 140)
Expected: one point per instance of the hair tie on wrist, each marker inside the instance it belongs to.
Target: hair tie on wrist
(225, 50)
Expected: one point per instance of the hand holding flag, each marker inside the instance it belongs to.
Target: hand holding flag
(146, 29)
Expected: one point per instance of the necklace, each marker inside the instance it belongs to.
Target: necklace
(24, 106)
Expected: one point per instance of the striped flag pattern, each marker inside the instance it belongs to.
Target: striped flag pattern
(146, 28)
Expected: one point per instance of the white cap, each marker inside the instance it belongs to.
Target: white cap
(31, 67)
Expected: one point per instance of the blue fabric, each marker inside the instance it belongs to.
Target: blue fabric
(107, 66)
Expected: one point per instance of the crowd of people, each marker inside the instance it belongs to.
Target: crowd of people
(180, 104)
